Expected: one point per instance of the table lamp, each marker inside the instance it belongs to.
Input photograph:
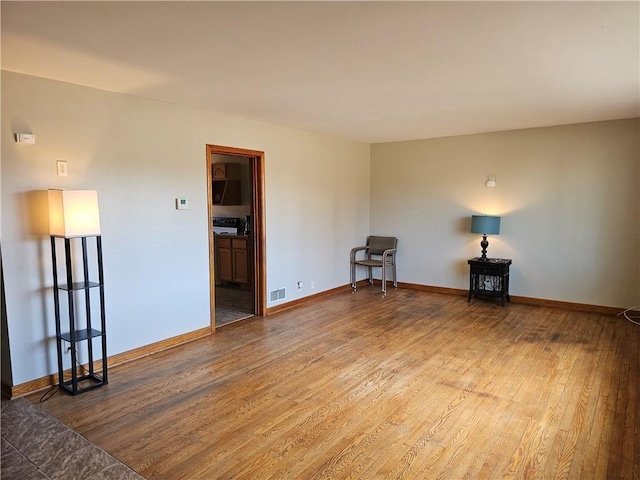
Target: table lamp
(485, 225)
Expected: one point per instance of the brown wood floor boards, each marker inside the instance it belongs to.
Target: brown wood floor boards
(360, 386)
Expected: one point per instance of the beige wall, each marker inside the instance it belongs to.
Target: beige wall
(140, 155)
(568, 197)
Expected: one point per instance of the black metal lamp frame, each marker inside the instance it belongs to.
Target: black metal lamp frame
(79, 383)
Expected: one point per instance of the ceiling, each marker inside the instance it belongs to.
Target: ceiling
(367, 71)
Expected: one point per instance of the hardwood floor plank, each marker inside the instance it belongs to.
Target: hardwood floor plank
(613, 374)
(364, 386)
(634, 353)
(600, 433)
(618, 404)
(629, 460)
(575, 419)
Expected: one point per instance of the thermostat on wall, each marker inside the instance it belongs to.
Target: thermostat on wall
(25, 138)
(181, 204)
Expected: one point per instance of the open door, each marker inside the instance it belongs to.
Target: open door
(257, 257)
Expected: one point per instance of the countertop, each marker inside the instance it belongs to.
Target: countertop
(228, 235)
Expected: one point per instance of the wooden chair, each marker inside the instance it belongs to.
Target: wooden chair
(378, 252)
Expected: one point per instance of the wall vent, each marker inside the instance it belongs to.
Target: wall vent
(276, 295)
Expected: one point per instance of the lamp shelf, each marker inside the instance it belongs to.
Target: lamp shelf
(79, 286)
(82, 334)
(81, 383)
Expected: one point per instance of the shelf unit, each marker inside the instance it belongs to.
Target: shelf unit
(226, 183)
(88, 378)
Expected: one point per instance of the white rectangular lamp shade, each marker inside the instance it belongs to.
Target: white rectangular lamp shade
(74, 213)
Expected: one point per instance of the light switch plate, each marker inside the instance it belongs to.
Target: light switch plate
(182, 204)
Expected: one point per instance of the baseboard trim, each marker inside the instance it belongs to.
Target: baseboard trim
(541, 302)
(34, 385)
(304, 300)
(48, 381)
(582, 307)
(433, 289)
(156, 347)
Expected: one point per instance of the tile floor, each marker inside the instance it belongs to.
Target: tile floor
(232, 304)
(36, 446)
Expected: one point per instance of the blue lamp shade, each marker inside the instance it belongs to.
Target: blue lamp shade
(485, 224)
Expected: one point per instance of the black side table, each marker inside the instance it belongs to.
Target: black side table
(489, 277)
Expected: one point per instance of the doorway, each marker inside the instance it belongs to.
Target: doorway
(237, 272)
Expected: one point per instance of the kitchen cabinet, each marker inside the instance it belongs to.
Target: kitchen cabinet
(232, 255)
(226, 183)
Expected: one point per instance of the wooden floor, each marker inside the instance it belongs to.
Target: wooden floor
(412, 385)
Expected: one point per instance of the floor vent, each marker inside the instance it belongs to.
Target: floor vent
(276, 295)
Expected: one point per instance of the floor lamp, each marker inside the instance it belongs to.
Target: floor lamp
(74, 215)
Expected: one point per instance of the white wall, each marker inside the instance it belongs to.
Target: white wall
(568, 197)
(140, 155)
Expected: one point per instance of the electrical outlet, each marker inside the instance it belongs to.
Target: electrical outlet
(313, 284)
(61, 167)
(299, 286)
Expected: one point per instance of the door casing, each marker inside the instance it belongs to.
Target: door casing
(256, 159)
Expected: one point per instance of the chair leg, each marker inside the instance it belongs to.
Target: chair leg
(370, 275)
(395, 276)
(384, 278)
(353, 276)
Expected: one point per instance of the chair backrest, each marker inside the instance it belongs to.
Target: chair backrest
(377, 245)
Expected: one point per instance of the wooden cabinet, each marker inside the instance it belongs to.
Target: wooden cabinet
(226, 183)
(224, 259)
(232, 255)
(240, 257)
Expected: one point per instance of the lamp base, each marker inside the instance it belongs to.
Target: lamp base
(484, 244)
